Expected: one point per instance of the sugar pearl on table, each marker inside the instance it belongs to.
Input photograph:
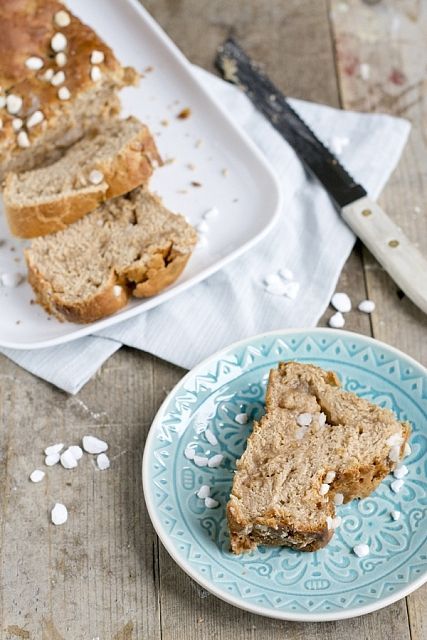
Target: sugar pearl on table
(13, 103)
(59, 514)
(341, 302)
(304, 419)
(23, 140)
(201, 461)
(338, 499)
(401, 471)
(67, 459)
(211, 437)
(204, 492)
(395, 514)
(34, 63)
(64, 93)
(103, 461)
(324, 488)
(189, 452)
(95, 74)
(91, 444)
(210, 503)
(62, 18)
(96, 177)
(330, 477)
(241, 418)
(396, 485)
(337, 320)
(361, 550)
(52, 459)
(34, 119)
(54, 448)
(366, 306)
(96, 57)
(76, 451)
(37, 475)
(58, 42)
(215, 460)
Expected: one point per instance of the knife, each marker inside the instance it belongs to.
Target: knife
(385, 240)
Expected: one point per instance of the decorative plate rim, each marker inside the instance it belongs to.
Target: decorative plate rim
(211, 587)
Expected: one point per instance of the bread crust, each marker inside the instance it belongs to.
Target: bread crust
(272, 529)
(131, 168)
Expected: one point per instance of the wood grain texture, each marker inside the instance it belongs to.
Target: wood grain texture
(105, 574)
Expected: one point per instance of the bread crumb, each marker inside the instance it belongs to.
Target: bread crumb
(194, 183)
(224, 172)
(184, 113)
(164, 123)
(148, 69)
(191, 166)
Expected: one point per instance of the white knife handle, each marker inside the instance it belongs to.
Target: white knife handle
(385, 240)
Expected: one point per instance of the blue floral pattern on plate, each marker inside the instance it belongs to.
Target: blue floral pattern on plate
(331, 583)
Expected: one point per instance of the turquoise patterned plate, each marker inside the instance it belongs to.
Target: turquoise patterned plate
(282, 583)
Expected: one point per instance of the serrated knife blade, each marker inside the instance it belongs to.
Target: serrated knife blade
(384, 239)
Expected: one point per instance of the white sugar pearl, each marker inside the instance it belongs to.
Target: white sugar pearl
(204, 492)
(23, 140)
(190, 452)
(76, 451)
(34, 119)
(54, 448)
(58, 42)
(95, 74)
(117, 290)
(401, 471)
(96, 177)
(215, 461)
(330, 477)
(1, 123)
(321, 419)
(2, 101)
(333, 523)
(324, 488)
(64, 93)
(103, 461)
(48, 75)
(51, 459)
(58, 78)
(341, 302)
(394, 453)
(211, 437)
(407, 450)
(17, 124)
(62, 18)
(395, 514)
(292, 290)
(13, 103)
(241, 418)
(68, 461)
(396, 485)
(210, 503)
(11, 280)
(34, 63)
(338, 499)
(59, 514)
(37, 475)
(337, 320)
(61, 59)
(91, 444)
(395, 439)
(200, 461)
(361, 550)
(211, 213)
(367, 306)
(96, 57)
(304, 419)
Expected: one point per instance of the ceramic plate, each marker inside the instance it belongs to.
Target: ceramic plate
(282, 583)
(207, 148)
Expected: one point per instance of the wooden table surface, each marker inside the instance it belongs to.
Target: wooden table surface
(104, 575)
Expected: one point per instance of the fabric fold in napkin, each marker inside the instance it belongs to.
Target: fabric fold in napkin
(310, 239)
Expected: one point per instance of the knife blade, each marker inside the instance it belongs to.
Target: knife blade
(386, 241)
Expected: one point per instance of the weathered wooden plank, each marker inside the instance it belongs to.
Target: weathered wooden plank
(379, 49)
(96, 576)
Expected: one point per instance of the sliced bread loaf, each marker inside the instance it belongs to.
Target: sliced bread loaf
(101, 165)
(316, 445)
(131, 245)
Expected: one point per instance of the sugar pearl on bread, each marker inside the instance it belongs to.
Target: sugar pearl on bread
(96, 57)
(23, 140)
(58, 42)
(34, 63)
(62, 18)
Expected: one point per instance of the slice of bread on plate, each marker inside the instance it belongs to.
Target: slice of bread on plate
(129, 246)
(316, 446)
(58, 80)
(101, 165)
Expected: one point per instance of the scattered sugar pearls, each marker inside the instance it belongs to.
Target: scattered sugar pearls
(333, 523)
(396, 485)
(34, 119)
(304, 419)
(13, 104)
(215, 461)
(64, 93)
(200, 461)
(395, 514)
(62, 18)
(23, 140)
(58, 78)
(401, 471)
(407, 450)
(190, 452)
(95, 74)
(96, 57)
(34, 63)
(324, 488)
(366, 306)
(94, 445)
(11, 280)
(337, 320)
(58, 42)
(54, 448)
(338, 499)
(96, 177)
(241, 418)
(341, 302)
(59, 514)
(210, 503)
(67, 460)
(102, 461)
(330, 477)
(204, 492)
(52, 459)
(282, 283)
(211, 437)
(37, 475)
(361, 550)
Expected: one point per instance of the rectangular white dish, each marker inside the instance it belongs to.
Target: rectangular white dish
(206, 148)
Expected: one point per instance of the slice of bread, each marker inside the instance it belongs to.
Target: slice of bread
(294, 466)
(100, 166)
(131, 245)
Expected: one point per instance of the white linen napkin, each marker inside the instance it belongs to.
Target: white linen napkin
(310, 239)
